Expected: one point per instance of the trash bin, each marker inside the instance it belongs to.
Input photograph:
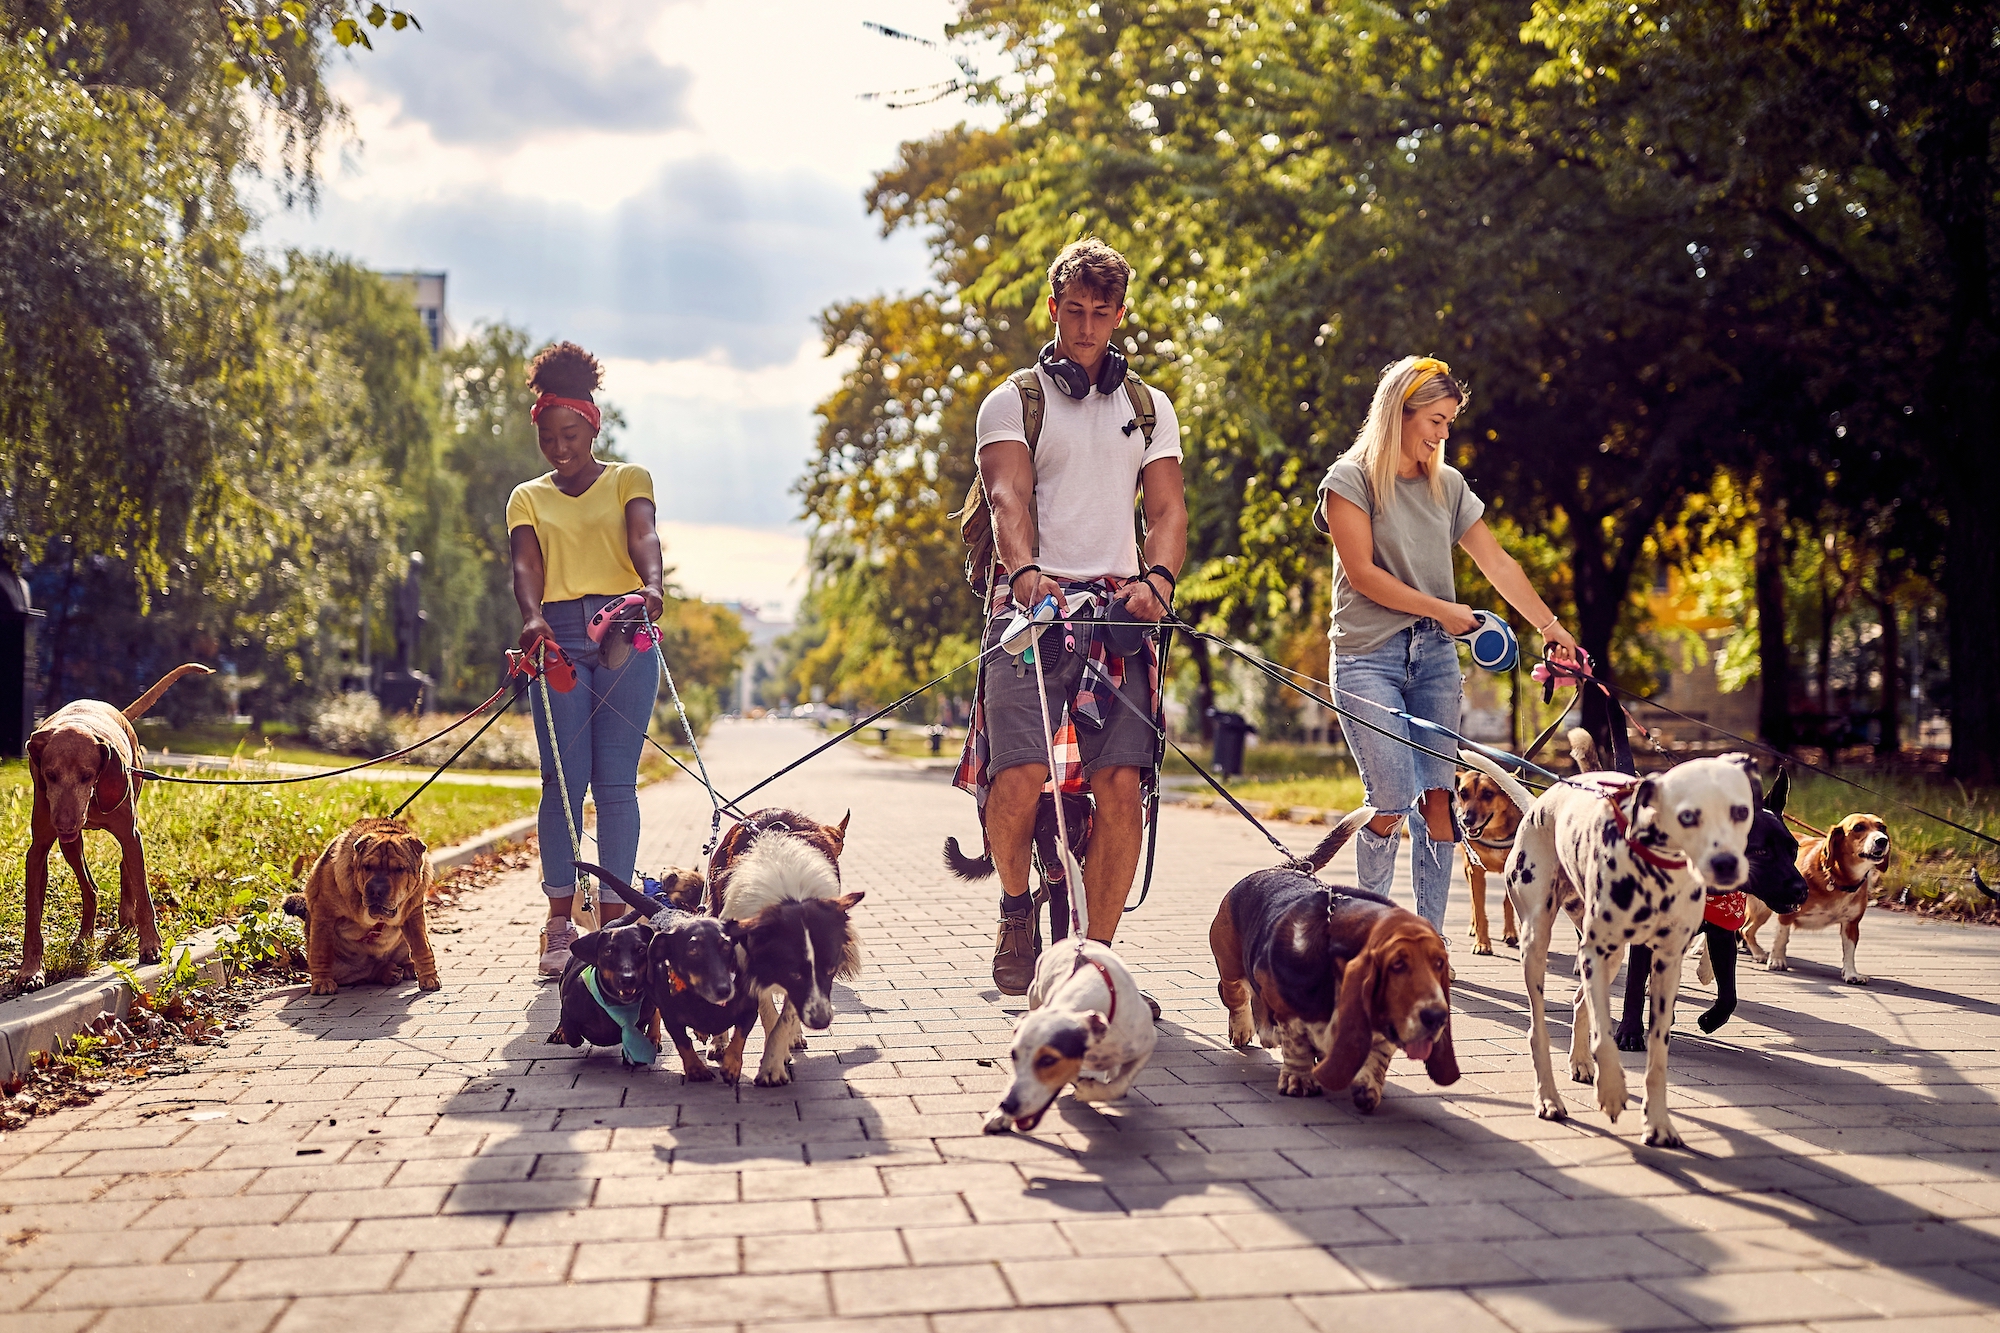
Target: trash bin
(1230, 729)
(20, 675)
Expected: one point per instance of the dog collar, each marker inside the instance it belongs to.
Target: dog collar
(639, 1047)
(1644, 853)
(1833, 871)
(1110, 987)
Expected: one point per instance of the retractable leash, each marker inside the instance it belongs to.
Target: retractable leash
(1025, 632)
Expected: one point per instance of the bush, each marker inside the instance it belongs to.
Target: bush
(702, 710)
(508, 743)
(352, 724)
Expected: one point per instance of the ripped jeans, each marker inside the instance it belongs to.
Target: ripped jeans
(1416, 671)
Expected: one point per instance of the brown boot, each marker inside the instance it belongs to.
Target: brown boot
(1016, 950)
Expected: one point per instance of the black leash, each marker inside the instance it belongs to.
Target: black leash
(879, 713)
(335, 772)
(519, 691)
(1779, 755)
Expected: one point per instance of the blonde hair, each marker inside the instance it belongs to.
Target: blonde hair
(1406, 385)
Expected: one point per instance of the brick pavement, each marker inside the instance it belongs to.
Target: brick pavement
(393, 1160)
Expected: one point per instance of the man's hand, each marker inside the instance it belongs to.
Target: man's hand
(1142, 598)
(1032, 587)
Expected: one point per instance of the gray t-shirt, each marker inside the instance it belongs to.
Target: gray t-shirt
(1413, 541)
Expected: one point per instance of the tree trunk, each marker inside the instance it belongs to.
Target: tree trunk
(1890, 742)
(1600, 596)
(1774, 665)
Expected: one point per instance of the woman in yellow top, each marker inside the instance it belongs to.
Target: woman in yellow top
(583, 535)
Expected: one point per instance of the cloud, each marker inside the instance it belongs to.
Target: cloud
(707, 259)
(498, 72)
(730, 564)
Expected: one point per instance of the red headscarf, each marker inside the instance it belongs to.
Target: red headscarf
(583, 407)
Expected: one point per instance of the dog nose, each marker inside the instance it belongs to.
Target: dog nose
(1725, 867)
(819, 1016)
(1433, 1017)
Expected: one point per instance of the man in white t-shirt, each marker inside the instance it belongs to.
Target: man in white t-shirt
(1063, 528)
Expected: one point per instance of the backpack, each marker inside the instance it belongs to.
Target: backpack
(975, 517)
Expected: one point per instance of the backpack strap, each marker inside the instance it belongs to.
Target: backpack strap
(1142, 405)
(1029, 386)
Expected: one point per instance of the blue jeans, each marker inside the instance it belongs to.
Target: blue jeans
(1417, 671)
(602, 725)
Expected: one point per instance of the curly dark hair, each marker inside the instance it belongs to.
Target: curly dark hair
(565, 370)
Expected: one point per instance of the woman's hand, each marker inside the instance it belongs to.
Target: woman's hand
(1564, 643)
(1457, 619)
(655, 602)
(533, 630)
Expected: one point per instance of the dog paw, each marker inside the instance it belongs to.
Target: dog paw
(325, 986)
(1298, 1083)
(1776, 964)
(34, 980)
(1550, 1107)
(998, 1123)
(1366, 1097)
(1854, 978)
(430, 982)
(799, 1045)
(1484, 949)
(1511, 941)
(1662, 1135)
(773, 1078)
(732, 1071)
(1270, 1038)
(1583, 1071)
(1611, 1092)
(1242, 1032)
(1630, 1038)
(147, 957)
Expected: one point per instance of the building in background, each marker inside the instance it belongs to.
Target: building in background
(427, 291)
(765, 658)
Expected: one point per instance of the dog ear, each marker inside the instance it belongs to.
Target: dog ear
(1442, 1063)
(1354, 1022)
(1774, 799)
(1748, 763)
(1096, 1023)
(849, 901)
(588, 947)
(1645, 801)
(1836, 843)
(656, 949)
(840, 834)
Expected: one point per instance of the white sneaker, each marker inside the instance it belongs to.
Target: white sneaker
(558, 933)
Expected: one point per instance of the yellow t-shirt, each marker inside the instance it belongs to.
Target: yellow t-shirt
(582, 536)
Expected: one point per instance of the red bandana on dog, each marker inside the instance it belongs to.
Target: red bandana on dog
(583, 407)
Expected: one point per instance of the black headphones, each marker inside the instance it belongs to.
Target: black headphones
(1074, 380)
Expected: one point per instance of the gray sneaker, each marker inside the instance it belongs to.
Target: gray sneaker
(558, 933)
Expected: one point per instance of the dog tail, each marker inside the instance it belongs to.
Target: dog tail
(295, 905)
(1583, 752)
(1330, 845)
(137, 708)
(967, 867)
(1516, 793)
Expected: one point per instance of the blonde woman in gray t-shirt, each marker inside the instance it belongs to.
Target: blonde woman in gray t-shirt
(1394, 509)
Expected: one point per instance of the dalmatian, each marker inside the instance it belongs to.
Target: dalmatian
(1629, 859)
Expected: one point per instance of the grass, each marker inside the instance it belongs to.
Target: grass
(211, 851)
(1285, 774)
(913, 744)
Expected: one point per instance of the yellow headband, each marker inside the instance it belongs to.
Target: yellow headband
(1426, 368)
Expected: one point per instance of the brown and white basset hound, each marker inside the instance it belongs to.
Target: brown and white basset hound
(1841, 872)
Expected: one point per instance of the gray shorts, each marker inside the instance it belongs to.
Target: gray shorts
(1014, 730)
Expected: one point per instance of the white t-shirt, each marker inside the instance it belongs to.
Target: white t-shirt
(1086, 472)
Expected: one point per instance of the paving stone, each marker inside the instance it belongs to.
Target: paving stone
(1066, 1281)
(1577, 1307)
(1755, 1298)
(402, 1312)
(1264, 1272)
(755, 1301)
(573, 1306)
(1401, 1311)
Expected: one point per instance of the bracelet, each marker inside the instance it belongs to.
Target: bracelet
(1165, 573)
(1017, 574)
(1543, 630)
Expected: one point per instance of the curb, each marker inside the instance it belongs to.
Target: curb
(40, 1020)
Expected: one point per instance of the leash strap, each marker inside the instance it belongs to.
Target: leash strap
(1079, 919)
(519, 691)
(562, 780)
(714, 797)
(411, 748)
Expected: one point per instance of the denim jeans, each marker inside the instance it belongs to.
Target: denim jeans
(602, 727)
(1416, 671)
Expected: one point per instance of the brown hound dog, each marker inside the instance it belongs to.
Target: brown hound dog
(1338, 978)
(84, 761)
(1491, 819)
(1841, 871)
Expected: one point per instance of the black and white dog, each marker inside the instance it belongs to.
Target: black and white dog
(795, 939)
(1629, 859)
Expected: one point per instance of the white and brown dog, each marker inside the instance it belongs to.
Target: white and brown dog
(1629, 859)
(1841, 871)
(1087, 1024)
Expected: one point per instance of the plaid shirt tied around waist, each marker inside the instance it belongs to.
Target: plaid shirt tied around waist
(1092, 705)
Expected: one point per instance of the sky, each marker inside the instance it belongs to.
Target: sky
(675, 184)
